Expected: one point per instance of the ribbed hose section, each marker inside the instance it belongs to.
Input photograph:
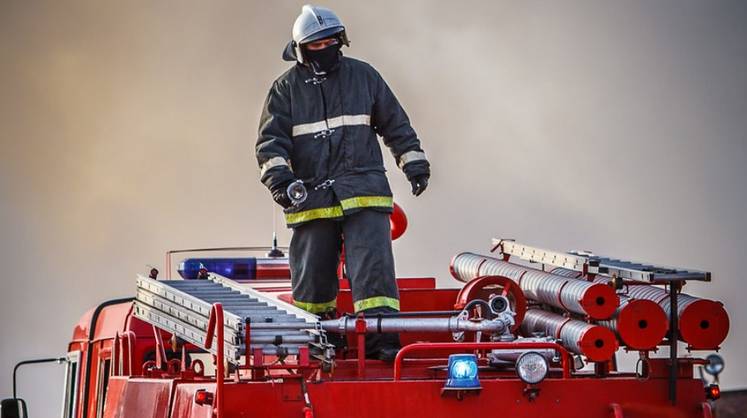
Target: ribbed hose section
(464, 266)
(594, 300)
(703, 323)
(595, 342)
(567, 273)
(611, 324)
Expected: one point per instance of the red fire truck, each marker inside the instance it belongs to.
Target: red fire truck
(522, 332)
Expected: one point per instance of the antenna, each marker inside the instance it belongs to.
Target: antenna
(275, 251)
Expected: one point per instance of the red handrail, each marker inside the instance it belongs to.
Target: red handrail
(160, 348)
(564, 356)
(129, 339)
(707, 412)
(216, 321)
(617, 411)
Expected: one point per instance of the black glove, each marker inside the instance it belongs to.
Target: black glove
(419, 184)
(418, 173)
(280, 194)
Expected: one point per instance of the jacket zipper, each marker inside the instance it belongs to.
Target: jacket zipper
(327, 134)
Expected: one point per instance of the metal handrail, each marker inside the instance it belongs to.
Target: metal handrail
(216, 317)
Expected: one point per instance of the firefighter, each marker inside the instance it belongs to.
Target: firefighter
(319, 125)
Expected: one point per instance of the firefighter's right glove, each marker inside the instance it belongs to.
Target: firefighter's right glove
(280, 194)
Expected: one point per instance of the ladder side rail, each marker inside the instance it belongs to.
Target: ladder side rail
(193, 317)
(183, 330)
(197, 321)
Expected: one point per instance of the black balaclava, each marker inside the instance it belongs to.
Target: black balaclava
(324, 61)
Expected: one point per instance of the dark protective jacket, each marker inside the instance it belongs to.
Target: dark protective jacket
(323, 131)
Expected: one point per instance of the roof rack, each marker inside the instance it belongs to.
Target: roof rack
(589, 263)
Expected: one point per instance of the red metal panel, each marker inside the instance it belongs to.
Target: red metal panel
(269, 400)
(184, 405)
(114, 396)
(410, 300)
(138, 398)
(404, 283)
(579, 398)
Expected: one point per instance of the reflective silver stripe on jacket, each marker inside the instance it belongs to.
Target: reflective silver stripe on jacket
(331, 123)
(410, 156)
(272, 163)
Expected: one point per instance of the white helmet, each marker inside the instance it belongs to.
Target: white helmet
(312, 24)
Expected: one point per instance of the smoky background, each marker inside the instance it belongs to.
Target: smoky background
(127, 129)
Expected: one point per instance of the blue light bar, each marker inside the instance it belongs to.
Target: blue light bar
(462, 370)
(238, 268)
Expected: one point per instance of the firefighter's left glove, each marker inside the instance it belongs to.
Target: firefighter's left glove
(419, 184)
(418, 173)
(280, 194)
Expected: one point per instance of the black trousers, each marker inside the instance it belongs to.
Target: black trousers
(315, 254)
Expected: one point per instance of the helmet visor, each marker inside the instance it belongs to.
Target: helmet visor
(326, 33)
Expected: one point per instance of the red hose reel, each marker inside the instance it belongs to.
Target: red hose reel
(486, 286)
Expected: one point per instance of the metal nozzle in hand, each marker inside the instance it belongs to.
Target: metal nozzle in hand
(297, 192)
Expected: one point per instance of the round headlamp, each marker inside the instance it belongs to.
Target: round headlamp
(532, 367)
(714, 364)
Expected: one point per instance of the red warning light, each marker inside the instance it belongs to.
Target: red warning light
(203, 397)
(713, 392)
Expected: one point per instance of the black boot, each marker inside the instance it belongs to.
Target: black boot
(381, 346)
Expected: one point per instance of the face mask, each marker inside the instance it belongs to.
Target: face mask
(323, 61)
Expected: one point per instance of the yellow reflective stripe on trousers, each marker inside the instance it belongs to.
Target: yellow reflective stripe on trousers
(376, 302)
(366, 202)
(316, 308)
(311, 214)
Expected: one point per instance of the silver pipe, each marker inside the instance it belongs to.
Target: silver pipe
(286, 339)
(274, 332)
(283, 325)
(452, 324)
(510, 355)
(272, 349)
